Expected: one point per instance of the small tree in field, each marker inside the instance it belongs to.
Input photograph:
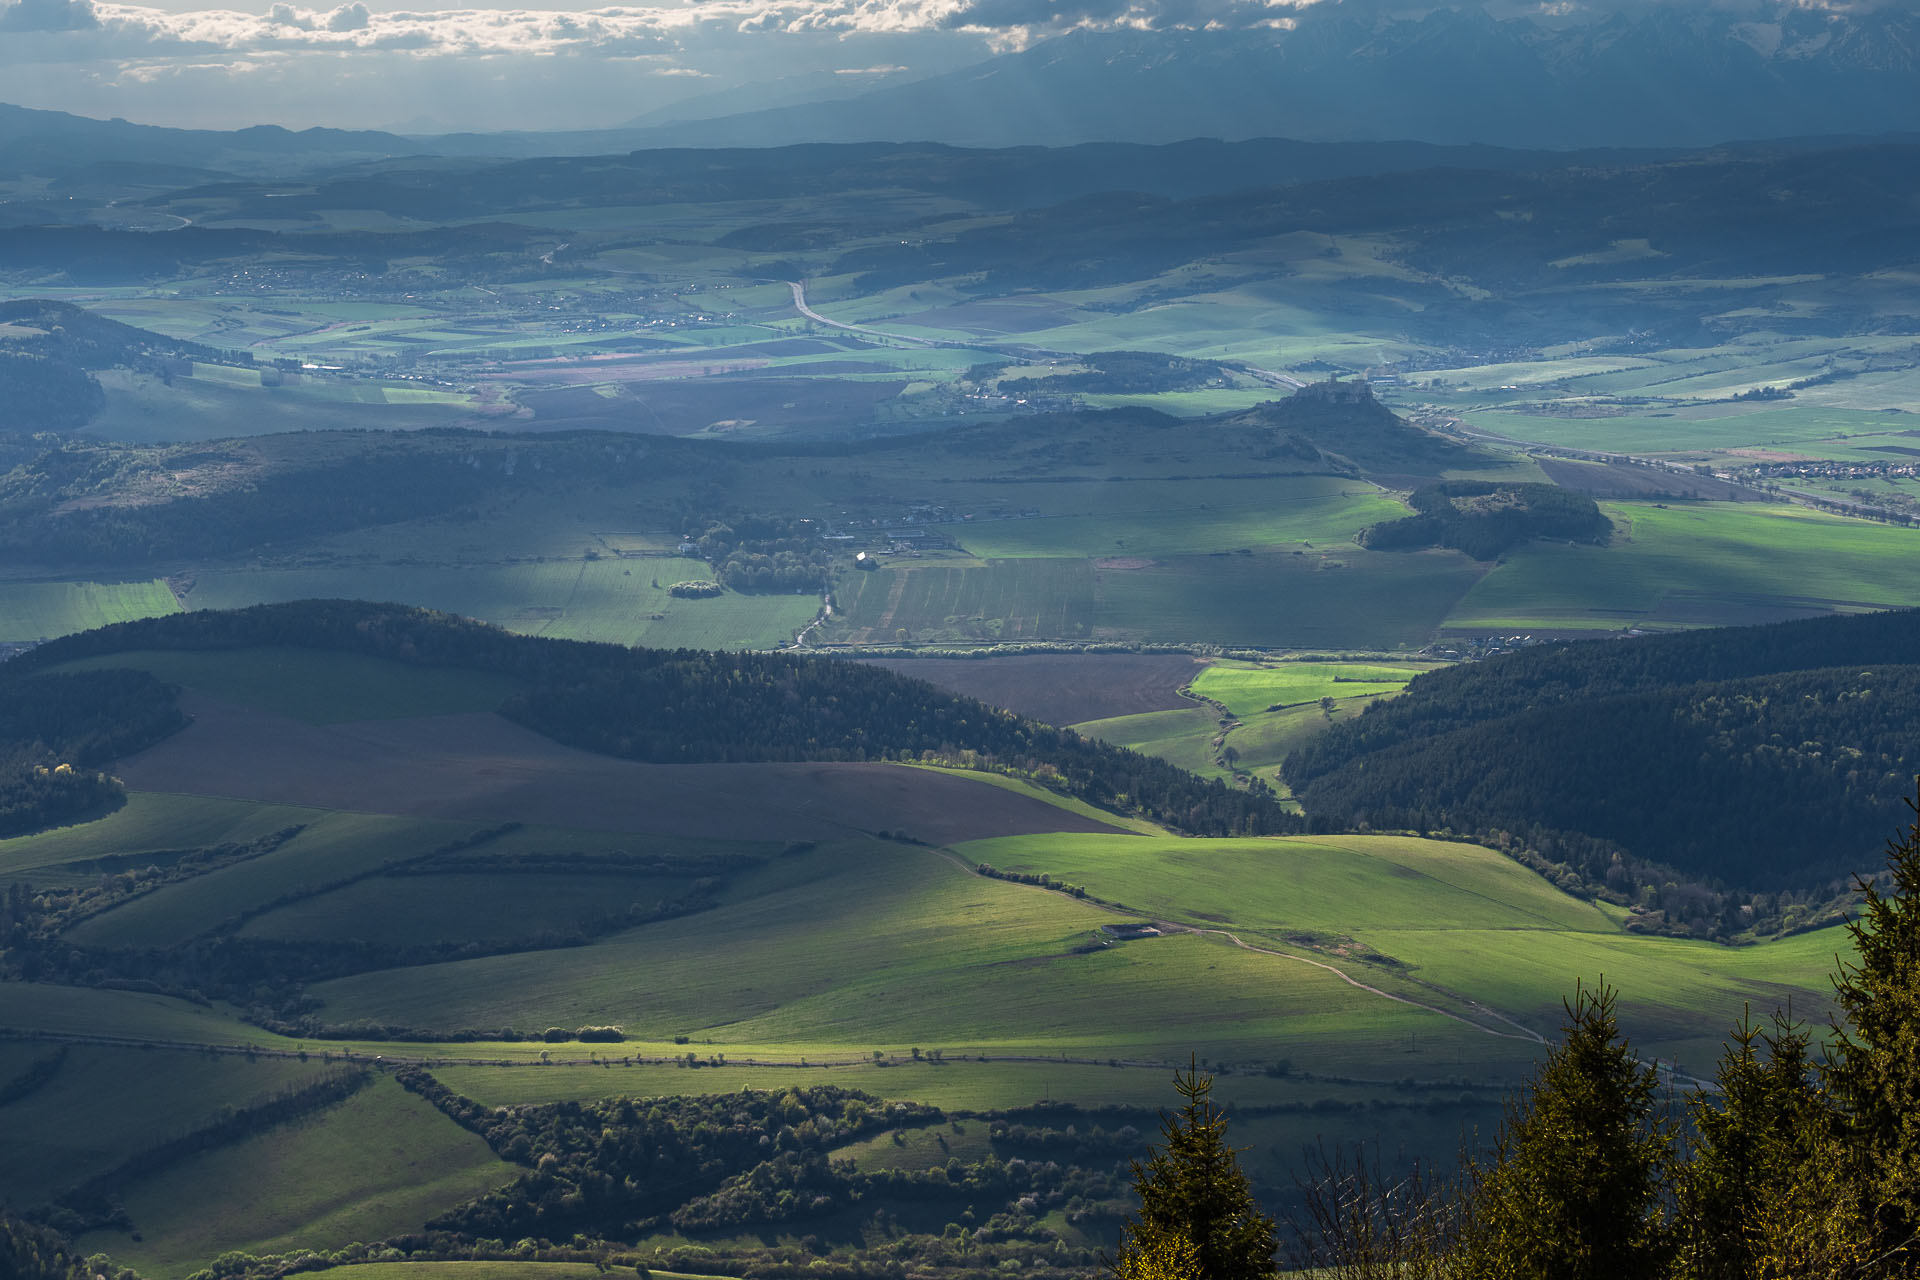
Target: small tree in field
(1572, 1189)
(1197, 1219)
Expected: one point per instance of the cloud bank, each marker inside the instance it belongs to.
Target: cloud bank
(359, 64)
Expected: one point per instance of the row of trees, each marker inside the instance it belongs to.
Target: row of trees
(606, 1168)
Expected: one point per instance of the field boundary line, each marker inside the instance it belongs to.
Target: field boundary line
(1524, 1032)
(1520, 1030)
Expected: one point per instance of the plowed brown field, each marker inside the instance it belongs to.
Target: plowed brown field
(1061, 688)
(486, 768)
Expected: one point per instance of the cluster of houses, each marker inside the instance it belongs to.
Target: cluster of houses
(1473, 648)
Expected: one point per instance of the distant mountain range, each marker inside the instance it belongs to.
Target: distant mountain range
(46, 142)
(1652, 78)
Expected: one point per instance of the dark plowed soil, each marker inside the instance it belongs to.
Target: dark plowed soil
(1061, 688)
(485, 768)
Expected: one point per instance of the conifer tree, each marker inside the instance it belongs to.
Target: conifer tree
(1766, 1195)
(1874, 1070)
(1197, 1219)
(1572, 1189)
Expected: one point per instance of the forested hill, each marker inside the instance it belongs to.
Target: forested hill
(1770, 759)
(48, 350)
(686, 705)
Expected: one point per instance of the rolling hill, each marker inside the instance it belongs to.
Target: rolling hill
(1765, 763)
(353, 908)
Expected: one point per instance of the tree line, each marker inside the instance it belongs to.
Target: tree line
(615, 1169)
(1728, 780)
(55, 732)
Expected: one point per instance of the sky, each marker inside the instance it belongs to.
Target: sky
(544, 64)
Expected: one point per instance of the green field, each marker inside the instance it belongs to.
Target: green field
(1246, 688)
(317, 686)
(1459, 921)
(333, 847)
(1380, 969)
(599, 599)
(379, 1164)
(218, 403)
(879, 945)
(1183, 737)
(1024, 599)
(400, 911)
(1262, 741)
(105, 1104)
(1275, 707)
(1344, 599)
(1183, 518)
(984, 967)
(44, 1009)
(32, 611)
(149, 822)
(1698, 564)
(1305, 884)
(1683, 432)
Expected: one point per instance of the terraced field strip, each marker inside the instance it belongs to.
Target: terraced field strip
(378, 1164)
(35, 611)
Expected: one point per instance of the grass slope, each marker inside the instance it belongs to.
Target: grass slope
(866, 944)
(32, 611)
(40, 1009)
(1706, 564)
(1458, 921)
(379, 1164)
(149, 822)
(334, 846)
(1221, 515)
(105, 1105)
(1245, 688)
(571, 599)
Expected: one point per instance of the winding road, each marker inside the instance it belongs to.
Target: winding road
(800, 304)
